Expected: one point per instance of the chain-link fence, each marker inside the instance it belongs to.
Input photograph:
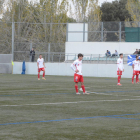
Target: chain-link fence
(19, 38)
(5, 38)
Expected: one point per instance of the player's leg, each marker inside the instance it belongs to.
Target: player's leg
(133, 79)
(39, 74)
(134, 73)
(76, 89)
(137, 77)
(119, 80)
(43, 74)
(82, 85)
(76, 80)
(43, 77)
(119, 73)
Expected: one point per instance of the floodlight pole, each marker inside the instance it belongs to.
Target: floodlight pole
(102, 31)
(120, 32)
(13, 30)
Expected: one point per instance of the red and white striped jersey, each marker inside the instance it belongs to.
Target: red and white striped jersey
(136, 64)
(120, 64)
(40, 62)
(77, 65)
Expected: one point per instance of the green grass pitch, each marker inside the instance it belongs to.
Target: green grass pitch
(50, 110)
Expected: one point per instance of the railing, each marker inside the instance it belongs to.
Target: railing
(59, 57)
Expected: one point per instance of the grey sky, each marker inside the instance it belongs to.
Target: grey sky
(101, 1)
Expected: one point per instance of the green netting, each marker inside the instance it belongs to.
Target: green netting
(132, 34)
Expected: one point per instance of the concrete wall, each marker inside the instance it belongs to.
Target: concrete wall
(5, 68)
(90, 70)
(5, 58)
(100, 47)
(5, 63)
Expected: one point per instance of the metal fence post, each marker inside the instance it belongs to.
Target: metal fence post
(67, 32)
(84, 32)
(49, 52)
(13, 37)
(138, 31)
(102, 31)
(120, 32)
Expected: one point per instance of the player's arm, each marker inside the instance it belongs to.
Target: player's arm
(37, 64)
(73, 67)
(133, 66)
(44, 65)
(118, 64)
(123, 67)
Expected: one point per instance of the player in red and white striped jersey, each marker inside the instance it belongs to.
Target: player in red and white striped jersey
(78, 76)
(120, 68)
(41, 67)
(139, 70)
(135, 67)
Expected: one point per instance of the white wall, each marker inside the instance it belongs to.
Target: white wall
(90, 70)
(100, 47)
(75, 32)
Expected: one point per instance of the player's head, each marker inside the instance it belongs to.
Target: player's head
(121, 55)
(80, 56)
(137, 57)
(40, 56)
(32, 49)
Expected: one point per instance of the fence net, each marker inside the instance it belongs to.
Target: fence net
(51, 37)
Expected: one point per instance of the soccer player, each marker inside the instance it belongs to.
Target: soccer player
(78, 77)
(135, 67)
(120, 68)
(139, 70)
(41, 67)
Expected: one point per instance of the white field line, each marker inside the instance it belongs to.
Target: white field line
(99, 93)
(57, 103)
(112, 94)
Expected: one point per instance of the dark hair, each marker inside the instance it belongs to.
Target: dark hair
(120, 54)
(40, 54)
(80, 55)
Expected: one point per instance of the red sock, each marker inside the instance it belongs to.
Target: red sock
(83, 87)
(119, 79)
(44, 74)
(137, 78)
(76, 88)
(38, 75)
(133, 78)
